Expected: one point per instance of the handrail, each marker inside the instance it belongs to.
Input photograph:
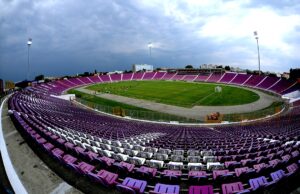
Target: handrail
(12, 175)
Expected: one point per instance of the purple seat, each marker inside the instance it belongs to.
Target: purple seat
(69, 146)
(57, 153)
(171, 176)
(231, 165)
(123, 168)
(205, 189)
(68, 159)
(233, 188)
(239, 171)
(217, 173)
(222, 176)
(85, 168)
(91, 155)
(48, 146)
(259, 183)
(106, 178)
(292, 168)
(146, 172)
(132, 186)
(61, 141)
(197, 177)
(41, 140)
(277, 175)
(105, 162)
(128, 166)
(164, 189)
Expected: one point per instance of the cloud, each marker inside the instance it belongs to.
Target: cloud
(71, 37)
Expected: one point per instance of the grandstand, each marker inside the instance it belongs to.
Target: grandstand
(130, 156)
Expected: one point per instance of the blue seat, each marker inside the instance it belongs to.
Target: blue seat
(132, 186)
(163, 188)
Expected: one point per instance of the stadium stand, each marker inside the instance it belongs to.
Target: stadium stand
(137, 157)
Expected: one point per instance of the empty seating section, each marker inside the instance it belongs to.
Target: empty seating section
(240, 79)
(177, 77)
(228, 77)
(159, 75)
(215, 77)
(127, 76)
(149, 75)
(137, 76)
(202, 78)
(189, 77)
(281, 86)
(95, 79)
(254, 80)
(138, 157)
(115, 77)
(105, 78)
(168, 76)
(268, 82)
(292, 88)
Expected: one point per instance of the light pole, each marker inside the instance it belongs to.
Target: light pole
(150, 47)
(258, 55)
(29, 42)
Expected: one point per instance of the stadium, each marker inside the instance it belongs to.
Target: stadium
(118, 153)
(110, 97)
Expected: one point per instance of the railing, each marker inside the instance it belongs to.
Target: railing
(271, 110)
(140, 114)
(9, 168)
(163, 117)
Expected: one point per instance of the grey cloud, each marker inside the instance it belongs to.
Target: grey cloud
(70, 37)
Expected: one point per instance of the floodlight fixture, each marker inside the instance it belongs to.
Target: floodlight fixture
(150, 45)
(258, 54)
(29, 43)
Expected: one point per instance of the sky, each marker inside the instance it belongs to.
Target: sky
(70, 37)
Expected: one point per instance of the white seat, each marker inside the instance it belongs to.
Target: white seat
(156, 163)
(214, 165)
(175, 165)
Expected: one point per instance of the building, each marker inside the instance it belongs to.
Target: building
(142, 67)
(285, 75)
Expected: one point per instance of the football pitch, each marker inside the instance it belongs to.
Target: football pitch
(179, 93)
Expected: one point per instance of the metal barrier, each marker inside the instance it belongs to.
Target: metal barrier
(9, 168)
(140, 114)
(163, 117)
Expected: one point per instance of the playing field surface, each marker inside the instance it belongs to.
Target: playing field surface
(179, 93)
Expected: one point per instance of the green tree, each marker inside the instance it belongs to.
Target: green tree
(39, 77)
(189, 67)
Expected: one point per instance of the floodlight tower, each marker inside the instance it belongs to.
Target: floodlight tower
(29, 42)
(258, 55)
(150, 47)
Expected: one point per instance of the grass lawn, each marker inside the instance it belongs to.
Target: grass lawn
(106, 105)
(178, 93)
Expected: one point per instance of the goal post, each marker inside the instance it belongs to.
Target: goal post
(218, 89)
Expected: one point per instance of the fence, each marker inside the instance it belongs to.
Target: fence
(164, 117)
(271, 110)
(139, 114)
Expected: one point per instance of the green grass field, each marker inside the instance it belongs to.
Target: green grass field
(106, 105)
(178, 93)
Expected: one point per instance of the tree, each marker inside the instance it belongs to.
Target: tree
(189, 67)
(249, 71)
(227, 68)
(220, 66)
(39, 77)
(294, 73)
(272, 75)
